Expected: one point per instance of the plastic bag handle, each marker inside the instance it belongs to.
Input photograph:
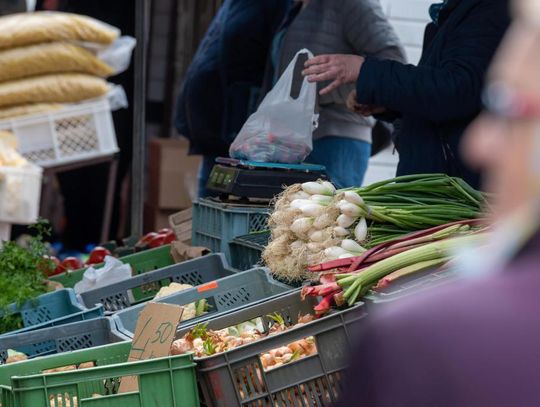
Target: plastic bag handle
(290, 70)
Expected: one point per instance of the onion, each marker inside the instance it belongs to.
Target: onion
(321, 199)
(314, 247)
(341, 203)
(297, 245)
(340, 231)
(353, 197)
(351, 246)
(300, 195)
(299, 203)
(315, 188)
(334, 252)
(312, 209)
(345, 221)
(351, 210)
(330, 187)
(301, 225)
(317, 236)
(360, 231)
(323, 221)
(346, 256)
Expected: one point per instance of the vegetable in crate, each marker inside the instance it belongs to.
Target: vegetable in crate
(352, 278)
(204, 342)
(22, 273)
(313, 222)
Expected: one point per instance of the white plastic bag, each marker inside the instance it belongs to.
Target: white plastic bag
(112, 272)
(118, 54)
(281, 130)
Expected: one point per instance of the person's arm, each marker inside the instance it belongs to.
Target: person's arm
(449, 91)
(369, 32)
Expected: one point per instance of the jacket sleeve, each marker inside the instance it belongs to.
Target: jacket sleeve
(368, 30)
(451, 90)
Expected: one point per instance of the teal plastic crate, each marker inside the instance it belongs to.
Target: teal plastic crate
(168, 381)
(47, 307)
(215, 224)
(246, 251)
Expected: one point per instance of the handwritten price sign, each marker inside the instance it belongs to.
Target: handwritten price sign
(153, 338)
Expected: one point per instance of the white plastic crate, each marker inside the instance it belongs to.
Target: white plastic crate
(74, 133)
(20, 191)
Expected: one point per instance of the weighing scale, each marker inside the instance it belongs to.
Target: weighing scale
(250, 179)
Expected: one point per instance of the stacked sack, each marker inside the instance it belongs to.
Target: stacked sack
(51, 58)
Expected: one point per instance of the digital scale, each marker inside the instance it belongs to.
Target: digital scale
(250, 179)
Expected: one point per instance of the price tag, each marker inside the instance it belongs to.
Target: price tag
(153, 338)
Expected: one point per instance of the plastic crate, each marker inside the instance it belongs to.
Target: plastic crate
(75, 133)
(246, 251)
(20, 192)
(141, 262)
(410, 285)
(92, 313)
(168, 381)
(64, 338)
(216, 224)
(47, 307)
(120, 295)
(237, 378)
(223, 295)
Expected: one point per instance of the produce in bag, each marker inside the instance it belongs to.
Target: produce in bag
(22, 29)
(62, 88)
(281, 129)
(56, 57)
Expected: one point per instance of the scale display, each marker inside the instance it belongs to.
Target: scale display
(247, 179)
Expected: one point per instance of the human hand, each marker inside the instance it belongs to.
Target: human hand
(364, 110)
(338, 68)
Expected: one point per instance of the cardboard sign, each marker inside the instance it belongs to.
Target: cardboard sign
(154, 335)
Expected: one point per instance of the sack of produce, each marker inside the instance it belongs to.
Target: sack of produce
(48, 58)
(18, 30)
(63, 88)
(28, 109)
(281, 129)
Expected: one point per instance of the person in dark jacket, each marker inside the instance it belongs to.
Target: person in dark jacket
(436, 100)
(475, 343)
(221, 87)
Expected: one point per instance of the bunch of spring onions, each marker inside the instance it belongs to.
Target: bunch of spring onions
(313, 222)
(387, 262)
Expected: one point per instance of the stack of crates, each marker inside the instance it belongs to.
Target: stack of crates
(215, 224)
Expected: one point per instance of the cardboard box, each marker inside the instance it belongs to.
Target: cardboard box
(172, 174)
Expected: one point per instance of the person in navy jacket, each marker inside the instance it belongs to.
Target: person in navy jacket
(221, 87)
(432, 103)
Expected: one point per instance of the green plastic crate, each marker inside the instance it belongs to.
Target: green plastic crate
(141, 262)
(168, 381)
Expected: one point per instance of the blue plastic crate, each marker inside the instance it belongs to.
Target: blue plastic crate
(64, 338)
(47, 307)
(224, 295)
(215, 224)
(246, 251)
(86, 315)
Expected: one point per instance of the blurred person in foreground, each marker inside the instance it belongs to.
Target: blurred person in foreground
(433, 103)
(342, 140)
(222, 84)
(475, 343)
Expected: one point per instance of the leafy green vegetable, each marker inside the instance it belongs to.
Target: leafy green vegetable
(22, 273)
(199, 331)
(209, 347)
(277, 318)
